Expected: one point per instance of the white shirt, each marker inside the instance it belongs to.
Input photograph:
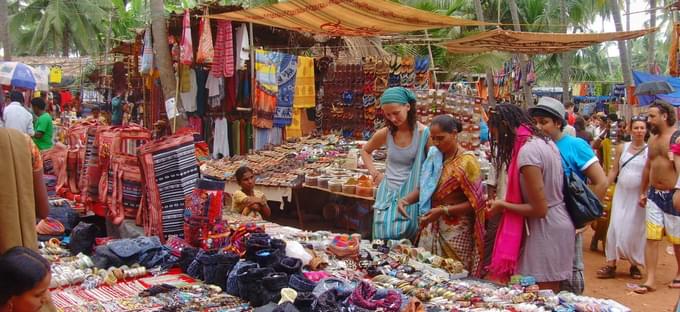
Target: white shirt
(569, 130)
(16, 116)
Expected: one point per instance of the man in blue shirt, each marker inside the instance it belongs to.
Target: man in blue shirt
(577, 155)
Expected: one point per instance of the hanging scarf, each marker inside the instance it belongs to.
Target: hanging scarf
(147, 55)
(223, 62)
(506, 250)
(285, 77)
(429, 178)
(305, 93)
(186, 46)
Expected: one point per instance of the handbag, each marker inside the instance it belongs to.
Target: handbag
(627, 161)
(388, 223)
(582, 204)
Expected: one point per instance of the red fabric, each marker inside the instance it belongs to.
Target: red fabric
(223, 61)
(186, 46)
(571, 119)
(66, 98)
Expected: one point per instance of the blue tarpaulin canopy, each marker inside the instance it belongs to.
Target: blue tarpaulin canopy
(673, 98)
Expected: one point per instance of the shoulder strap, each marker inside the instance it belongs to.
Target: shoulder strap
(635, 155)
(674, 138)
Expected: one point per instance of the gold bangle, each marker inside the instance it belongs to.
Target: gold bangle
(446, 211)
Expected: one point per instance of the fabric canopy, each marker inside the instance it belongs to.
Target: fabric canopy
(534, 43)
(345, 17)
(673, 98)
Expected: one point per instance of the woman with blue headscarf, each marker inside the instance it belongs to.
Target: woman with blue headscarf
(406, 141)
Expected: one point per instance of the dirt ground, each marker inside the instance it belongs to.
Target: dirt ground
(663, 299)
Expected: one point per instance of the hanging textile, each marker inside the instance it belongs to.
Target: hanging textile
(243, 96)
(189, 97)
(205, 52)
(236, 137)
(170, 170)
(305, 93)
(201, 91)
(186, 54)
(285, 77)
(221, 143)
(295, 128)
(55, 74)
(185, 78)
(266, 90)
(242, 47)
(223, 62)
(146, 65)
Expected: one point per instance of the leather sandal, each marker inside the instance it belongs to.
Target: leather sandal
(606, 272)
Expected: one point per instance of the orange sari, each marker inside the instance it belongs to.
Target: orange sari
(459, 237)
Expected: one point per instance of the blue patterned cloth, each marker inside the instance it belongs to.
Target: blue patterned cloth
(429, 178)
(285, 76)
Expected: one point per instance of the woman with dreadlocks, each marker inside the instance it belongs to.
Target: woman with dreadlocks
(534, 193)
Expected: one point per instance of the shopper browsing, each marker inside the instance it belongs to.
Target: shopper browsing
(248, 201)
(406, 141)
(452, 182)
(535, 193)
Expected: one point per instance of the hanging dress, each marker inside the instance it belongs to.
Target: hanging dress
(626, 236)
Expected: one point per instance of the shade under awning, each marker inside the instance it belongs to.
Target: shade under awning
(345, 17)
(534, 43)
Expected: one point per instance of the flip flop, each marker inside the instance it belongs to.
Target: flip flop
(640, 289)
(675, 284)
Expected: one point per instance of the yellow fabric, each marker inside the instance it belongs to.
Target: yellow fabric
(534, 43)
(17, 204)
(185, 81)
(238, 203)
(55, 74)
(346, 17)
(654, 231)
(305, 93)
(295, 128)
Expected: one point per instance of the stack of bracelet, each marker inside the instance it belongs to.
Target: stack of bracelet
(71, 271)
(77, 296)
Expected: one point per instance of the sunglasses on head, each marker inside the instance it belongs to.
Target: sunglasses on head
(639, 118)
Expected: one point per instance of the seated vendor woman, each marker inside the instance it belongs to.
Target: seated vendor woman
(248, 201)
(24, 281)
(451, 184)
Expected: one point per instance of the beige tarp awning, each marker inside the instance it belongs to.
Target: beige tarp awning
(534, 43)
(345, 17)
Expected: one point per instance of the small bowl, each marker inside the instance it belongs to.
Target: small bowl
(349, 189)
(323, 181)
(312, 180)
(335, 186)
(364, 191)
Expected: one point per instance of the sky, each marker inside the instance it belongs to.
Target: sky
(637, 21)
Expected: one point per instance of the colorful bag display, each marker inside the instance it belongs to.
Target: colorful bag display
(186, 54)
(170, 172)
(206, 51)
(203, 210)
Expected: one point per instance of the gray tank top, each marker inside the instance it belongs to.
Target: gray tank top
(400, 160)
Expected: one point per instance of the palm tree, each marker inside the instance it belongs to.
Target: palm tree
(4, 31)
(623, 51)
(62, 25)
(651, 36)
(523, 60)
(489, 74)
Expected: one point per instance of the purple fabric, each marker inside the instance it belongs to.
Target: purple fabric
(363, 296)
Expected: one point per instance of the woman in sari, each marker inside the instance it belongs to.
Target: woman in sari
(454, 227)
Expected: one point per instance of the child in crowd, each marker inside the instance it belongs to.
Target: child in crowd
(248, 201)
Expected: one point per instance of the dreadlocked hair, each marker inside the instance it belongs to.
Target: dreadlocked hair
(506, 118)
